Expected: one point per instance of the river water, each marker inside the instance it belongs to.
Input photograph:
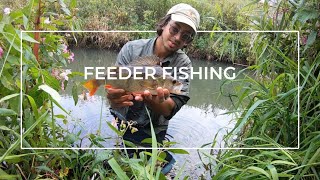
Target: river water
(196, 124)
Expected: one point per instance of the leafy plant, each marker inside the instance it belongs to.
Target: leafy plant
(271, 116)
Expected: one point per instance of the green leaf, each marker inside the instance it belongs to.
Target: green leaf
(75, 93)
(273, 172)
(283, 162)
(17, 142)
(7, 112)
(117, 169)
(154, 150)
(57, 104)
(6, 80)
(73, 4)
(147, 141)
(71, 138)
(311, 38)
(62, 4)
(178, 151)
(129, 144)
(61, 116)
(114, 129)
(8, 97)
(26, 37)
(4, 128)
(241, 123)
(25, 22)
(16, 14)
(66, 10)
(50, 80)
(259, 170)
(19, 157)
(6, 176)
(53, 93)
(103, 156)
(14, 104)
(33, 106)
(12, 37)
(305, 14)
(45, 168)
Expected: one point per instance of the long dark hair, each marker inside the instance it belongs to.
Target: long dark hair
(163, 22)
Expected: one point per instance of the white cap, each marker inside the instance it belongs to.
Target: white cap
(186, 14)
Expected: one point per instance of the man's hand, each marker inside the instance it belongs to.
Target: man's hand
(161, 103)
(119, 98)
(162, 95)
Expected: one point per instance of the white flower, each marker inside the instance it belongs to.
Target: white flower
(64, 75)
(46, 21)
(68, 71)
(50, 54)
(7, 11)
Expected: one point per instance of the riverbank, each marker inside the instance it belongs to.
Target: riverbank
(142, 15)
(115, 40)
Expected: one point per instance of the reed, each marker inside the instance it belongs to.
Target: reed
(270, 118)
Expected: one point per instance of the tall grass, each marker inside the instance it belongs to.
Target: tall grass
(135, 15)
(273, 115)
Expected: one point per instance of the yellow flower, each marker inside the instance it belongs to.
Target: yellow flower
(133, 130)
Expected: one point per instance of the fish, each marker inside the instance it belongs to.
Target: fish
(131, 83)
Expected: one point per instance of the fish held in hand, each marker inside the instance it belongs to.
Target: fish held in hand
(144, 73)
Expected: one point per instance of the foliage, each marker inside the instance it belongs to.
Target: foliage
(142, 15)
(36, 79)
(40, 54)
(273, 115)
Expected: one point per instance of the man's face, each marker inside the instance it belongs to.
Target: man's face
(175, 35)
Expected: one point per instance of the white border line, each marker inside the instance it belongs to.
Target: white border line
(21, 109)
(298, 45)
(115, 31)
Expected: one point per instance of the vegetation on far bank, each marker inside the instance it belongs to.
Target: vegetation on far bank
(143, 15)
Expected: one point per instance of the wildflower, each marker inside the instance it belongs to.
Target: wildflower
(50, 54)
(64, 48)
(114, 122)
(68, 71)
(62, 85)
(7, 11)
(133, 130)
(64, 75)
(71, 57)
(1, 52)
(55, 73)
(61, 75)
(304, 40)
(122, 125)
(47, 21)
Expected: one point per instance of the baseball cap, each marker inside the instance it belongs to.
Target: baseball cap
(186, 14)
